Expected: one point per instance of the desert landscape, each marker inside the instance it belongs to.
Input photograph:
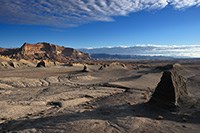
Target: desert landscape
(42, 92)
(99, 66)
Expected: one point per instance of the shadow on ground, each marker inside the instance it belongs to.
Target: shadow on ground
(108, 113)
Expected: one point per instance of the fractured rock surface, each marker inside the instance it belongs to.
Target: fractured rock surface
(171, 91)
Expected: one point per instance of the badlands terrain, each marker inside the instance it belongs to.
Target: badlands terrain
(104, 96)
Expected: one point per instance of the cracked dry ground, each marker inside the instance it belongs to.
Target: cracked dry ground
(64, 99)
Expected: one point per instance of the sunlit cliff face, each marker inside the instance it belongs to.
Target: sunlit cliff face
(43, 51)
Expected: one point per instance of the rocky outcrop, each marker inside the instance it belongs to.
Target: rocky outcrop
(45, 51)
(171, 91)
(41, 64)
(112, 65)
(8, 52)
(14, 64)
(169, 67)
(85, 69)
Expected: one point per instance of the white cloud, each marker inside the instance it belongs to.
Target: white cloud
(184, 3)
(68, 13)
(149, 49)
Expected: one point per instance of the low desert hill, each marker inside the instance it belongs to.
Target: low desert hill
(45, 51)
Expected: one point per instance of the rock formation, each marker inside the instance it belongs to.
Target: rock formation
(103, 66)
(169, 66)
(171, 91)
(5, 64)
(41, 64)
(14, 64)
(45, 51)
(8, 52)
(112, 65)
(85, 69)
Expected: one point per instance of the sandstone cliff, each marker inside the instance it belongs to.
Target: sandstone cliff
(45, 51)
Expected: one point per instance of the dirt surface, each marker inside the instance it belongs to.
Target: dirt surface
(113, 99)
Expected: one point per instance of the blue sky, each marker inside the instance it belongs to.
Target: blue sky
(99, 23)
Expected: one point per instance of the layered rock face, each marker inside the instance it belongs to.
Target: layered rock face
(45, 51)
(8, 52)
(171, 91)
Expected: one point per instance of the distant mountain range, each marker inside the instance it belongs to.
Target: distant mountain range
(147, 50)
(116, 56)
(45, 51)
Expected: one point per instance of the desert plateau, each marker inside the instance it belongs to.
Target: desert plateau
(47, 95)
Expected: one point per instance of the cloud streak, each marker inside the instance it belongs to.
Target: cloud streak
(69, 13)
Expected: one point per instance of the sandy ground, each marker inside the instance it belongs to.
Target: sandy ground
(64, 99)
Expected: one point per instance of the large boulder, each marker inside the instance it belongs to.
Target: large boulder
(171, 91)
